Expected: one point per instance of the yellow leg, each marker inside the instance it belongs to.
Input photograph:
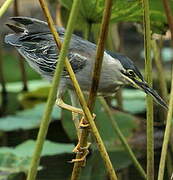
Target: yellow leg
(60, 103)
(75, 111)
(83, 123)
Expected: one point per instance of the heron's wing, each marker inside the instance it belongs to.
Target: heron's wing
(42, 53)
(45, 55)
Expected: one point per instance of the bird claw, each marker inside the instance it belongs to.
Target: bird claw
(79, 149)
(82, 159)
(83, 151)
(83, 123)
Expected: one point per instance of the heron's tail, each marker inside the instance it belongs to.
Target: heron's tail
(29, 25)
(26, 28)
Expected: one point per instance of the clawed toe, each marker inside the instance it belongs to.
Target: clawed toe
(84, 124)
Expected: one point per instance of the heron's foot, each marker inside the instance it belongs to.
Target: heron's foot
(83, 123)
(62, 104)
(79, 149)
(82, 159)
(83, 152)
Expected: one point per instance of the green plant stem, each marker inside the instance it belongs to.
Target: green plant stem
(5, 6)
(85, 133)
(100, 53)
(56, 80)
(122, 138)
(160, 70)
(109, 43)
(169, 115)
(58, 15)
(21, 60)
(117, 44)
(92, 96)
(2, 78)
(160, 77)
(169, 164)
(74, 99)
(148, 73)
(87, 31)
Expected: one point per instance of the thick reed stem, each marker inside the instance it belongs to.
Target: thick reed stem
(161, 79)
(2, 77)
(21, 60)
(5, 6)
(148, 73)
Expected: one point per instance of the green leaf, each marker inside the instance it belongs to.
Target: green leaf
(10, 163)
(9, 103)
(134, 106)
(26, 149)
(122, 11)
(133, 101)
(32, 84)
(95, 168)
(11, 68)
(167, 54)
(31, 98)
(127, 124)
(27, 119)
(18, 159)
(130, 94)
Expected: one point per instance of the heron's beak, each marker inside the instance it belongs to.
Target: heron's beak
(144, 86)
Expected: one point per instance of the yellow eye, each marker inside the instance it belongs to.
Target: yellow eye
(130, 72)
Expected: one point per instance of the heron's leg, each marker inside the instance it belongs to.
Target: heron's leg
(82, 123)
(75, 116)
(62, 104)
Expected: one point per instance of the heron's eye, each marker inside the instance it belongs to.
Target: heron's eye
(130, 72)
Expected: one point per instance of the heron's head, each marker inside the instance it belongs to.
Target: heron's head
(132, 76)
